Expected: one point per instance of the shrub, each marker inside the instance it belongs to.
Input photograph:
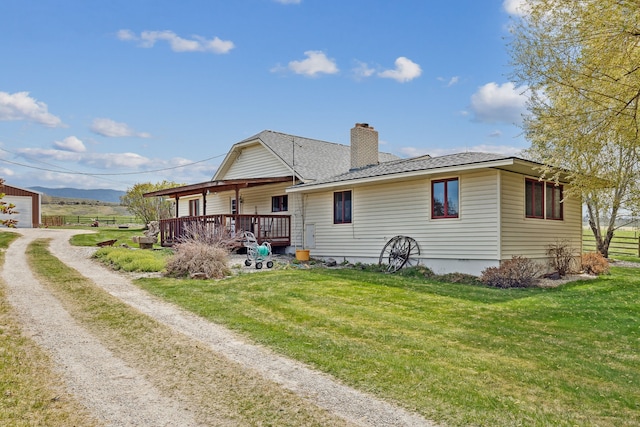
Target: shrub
(518, 272)
(464, 279)
(595, 263)
(213, 235)
(198, 259)
(562, 256)
(419, 271)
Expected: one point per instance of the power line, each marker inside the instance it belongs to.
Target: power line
(68, 171)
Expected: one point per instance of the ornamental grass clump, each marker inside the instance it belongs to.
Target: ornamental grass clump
(195, 259)
(594, 263)
(518, 272)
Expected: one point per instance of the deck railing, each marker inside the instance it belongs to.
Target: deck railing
(275, 229)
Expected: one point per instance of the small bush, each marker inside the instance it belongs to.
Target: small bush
(419, 271)
(213, 235)
(562, 256)
(518, 272)
(594, 263)
(464, 279)
(198, 259)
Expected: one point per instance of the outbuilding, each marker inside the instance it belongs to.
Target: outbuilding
(27, 206)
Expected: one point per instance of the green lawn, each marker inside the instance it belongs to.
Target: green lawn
(459, 354)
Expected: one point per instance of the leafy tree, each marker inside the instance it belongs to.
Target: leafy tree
(148, 208)
(7, 209)
(581, 63)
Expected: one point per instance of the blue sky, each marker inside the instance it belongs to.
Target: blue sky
(105, 94)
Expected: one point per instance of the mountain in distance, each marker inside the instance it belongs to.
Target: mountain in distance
(110, 196)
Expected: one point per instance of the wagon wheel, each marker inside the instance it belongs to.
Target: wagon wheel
(398, 251)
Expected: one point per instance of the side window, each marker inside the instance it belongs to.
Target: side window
(280, 203)
(543, 200)
(554, 199)
(534, 198)
(342, 207)
(445, 196)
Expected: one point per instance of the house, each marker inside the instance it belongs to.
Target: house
(27, 206)
(463, 212)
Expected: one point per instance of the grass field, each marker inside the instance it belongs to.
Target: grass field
(458, 354)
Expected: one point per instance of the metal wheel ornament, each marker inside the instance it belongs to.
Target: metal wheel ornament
(398, 252)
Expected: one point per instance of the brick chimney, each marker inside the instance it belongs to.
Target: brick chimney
(364, 146)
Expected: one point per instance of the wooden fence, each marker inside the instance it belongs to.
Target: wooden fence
(620, 245)
(60, 220)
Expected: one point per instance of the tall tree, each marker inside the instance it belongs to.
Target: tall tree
(148, 208)
(581, 62)
(7, 209)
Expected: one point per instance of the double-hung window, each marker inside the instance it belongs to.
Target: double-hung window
(543, 199)
(342, 207)
(554, 199)
(445, 197)
(534, 198)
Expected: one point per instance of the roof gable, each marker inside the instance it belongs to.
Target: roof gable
(311, 159)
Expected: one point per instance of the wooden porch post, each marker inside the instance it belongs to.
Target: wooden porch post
(177, 204)
(204, 202)
(237, 199)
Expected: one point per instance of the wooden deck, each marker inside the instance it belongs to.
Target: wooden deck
(275, 229)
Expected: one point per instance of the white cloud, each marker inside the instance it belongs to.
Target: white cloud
(20, 106)
(6, 172)
(316, 63)
(110, 128)
(148, 39)
(516, 7)
(126, 35)
(406, 70)
(289, 1)
(94, 160)
(495, 134)
(453, 80)
(494, 103)
(362, 70)
(70, 143)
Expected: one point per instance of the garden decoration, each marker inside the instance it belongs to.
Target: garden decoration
(398, 252)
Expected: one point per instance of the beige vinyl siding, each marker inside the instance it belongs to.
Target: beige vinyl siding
(254, 200)
(530, 237)
(256, 161)
(183, 205)
(383, 211)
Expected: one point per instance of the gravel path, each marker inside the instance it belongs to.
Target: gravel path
(117, 393)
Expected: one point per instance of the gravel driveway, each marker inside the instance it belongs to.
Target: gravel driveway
(119, 395)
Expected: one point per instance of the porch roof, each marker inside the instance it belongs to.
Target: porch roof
(221, 185)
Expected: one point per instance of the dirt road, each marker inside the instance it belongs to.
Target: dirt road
(118, 394)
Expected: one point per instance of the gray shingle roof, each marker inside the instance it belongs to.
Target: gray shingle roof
(314, 159)
(424, 163)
